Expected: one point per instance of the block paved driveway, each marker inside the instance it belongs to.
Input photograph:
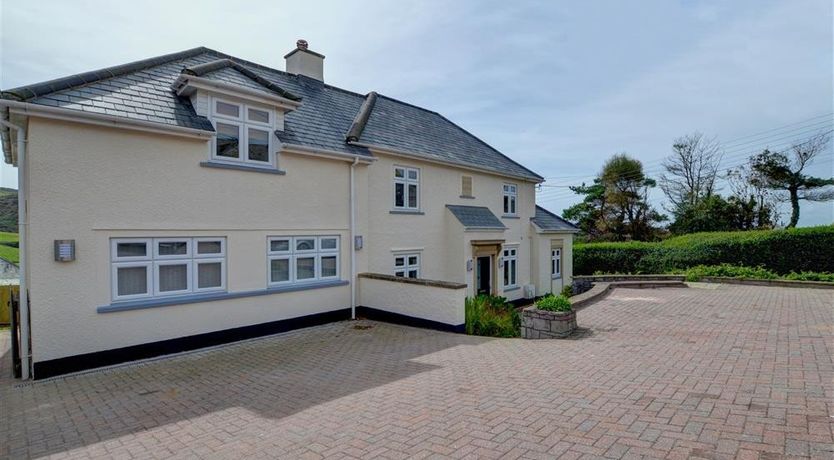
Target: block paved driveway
(726, 372)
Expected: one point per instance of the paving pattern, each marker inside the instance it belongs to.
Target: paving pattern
(720, 372)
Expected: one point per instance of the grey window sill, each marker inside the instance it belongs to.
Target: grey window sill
(556, 277)
(210, 297)
(403, 211)
(467, 197)
(241, 167)
(509, 216)
(510, 289)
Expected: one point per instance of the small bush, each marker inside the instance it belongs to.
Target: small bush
(492, 316)
(554, 303)
(567, 291)
(758, 273)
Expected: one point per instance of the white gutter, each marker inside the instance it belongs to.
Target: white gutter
(22, 219)
(78, 116)
(353, 238)
(428, 159)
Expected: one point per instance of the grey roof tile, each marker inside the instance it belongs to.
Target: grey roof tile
(142, 91)
(546, 220)
(476, 217)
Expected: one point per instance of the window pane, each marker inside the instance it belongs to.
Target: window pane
(279, 245)
(399, 261)
(399, 172)
(328, 243)
(412, 273)
(412, 260)
(412, 196)
(305, 268)
(506, 204)
(258, 145)
(399, 195)
(399, 273)
(209, 247)
(279, 270)
(131, 250)
(228, 144)
(512, 206)
(412, 174)
(513, 272)
(173, 248)
(260, 116)
(306, 244)
(328, 266)
(209, 275)
(132, 280)
(173, 278)
(230, 110)
(506, 273)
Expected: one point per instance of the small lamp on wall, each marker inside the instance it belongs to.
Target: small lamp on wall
(64, 250)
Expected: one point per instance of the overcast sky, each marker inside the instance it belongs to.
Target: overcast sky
(558, 86)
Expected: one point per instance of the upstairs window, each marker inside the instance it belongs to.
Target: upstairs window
(244, 133)
(466, 186)
(407, 265)
(406, 188)
(510, 197)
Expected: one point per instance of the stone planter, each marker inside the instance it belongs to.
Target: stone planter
(541, 324)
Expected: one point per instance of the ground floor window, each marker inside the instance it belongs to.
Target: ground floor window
(158, 267)
(556, 262)
(510, 262)
(302, 259)
(407, 265)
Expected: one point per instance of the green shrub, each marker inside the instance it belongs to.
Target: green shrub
(554, 303)
(729, 271)
(567, 291)
(780, 251)
(492, 316)
(810, 276)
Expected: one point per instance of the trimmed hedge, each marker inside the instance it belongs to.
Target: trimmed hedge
(809, 249)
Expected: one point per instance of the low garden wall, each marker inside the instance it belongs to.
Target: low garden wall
(420, 302)
(541, 324)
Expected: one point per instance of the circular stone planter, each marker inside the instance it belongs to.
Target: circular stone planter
(542, 324)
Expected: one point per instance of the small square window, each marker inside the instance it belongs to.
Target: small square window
(209, 275)
(209, 247)
(305, 268)
(329, 243)
(132, 249)
(328, 266)
(172, 248)
(305, 244)
(229, 110)
(282, 245)
(173, 278)
(412, 174)
(399, 261)
(258, 116)
(132, 280)
(279, 270)
(399, 172)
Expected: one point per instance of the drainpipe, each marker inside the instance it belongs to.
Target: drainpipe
(21, 228)
(353, 239)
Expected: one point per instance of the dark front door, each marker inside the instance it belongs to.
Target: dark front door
(484, 275)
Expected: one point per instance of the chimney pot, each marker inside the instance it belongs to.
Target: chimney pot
(301, 44)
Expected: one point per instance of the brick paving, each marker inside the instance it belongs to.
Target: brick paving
(726, 372)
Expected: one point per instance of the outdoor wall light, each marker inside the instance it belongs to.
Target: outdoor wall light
(64, 250)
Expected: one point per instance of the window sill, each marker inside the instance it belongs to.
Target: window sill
(510, 216)
(513, 288)
(210, 297)
(556, 277)
(403, 211)
(467, 197)
(242, 167)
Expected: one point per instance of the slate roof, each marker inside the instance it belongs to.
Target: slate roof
(476, 217)
(546, 220)
(142, 91)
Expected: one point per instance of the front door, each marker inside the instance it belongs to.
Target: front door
(483, 275)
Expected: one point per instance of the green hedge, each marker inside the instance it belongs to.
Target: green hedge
(781, 251)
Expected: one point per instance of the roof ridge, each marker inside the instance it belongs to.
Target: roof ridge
(80, 79)
(220, 64)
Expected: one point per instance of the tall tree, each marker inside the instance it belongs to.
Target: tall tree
(627, 213)
(588, 214)
(785, 172)
(690, 171)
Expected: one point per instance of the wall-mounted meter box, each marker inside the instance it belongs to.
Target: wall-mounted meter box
(64, 250)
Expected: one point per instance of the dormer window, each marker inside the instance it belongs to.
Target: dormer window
(244, 133)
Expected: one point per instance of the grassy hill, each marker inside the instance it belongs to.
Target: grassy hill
(8, 210)
(8, 247)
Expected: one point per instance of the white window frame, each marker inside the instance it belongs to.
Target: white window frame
(509, 258)
(407, 267)
(292, 255)
(406, 181)
(244, 123)
(153, 260)
(556, 262)
(509, 199)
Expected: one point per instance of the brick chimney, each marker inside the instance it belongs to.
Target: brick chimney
(302, 61)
